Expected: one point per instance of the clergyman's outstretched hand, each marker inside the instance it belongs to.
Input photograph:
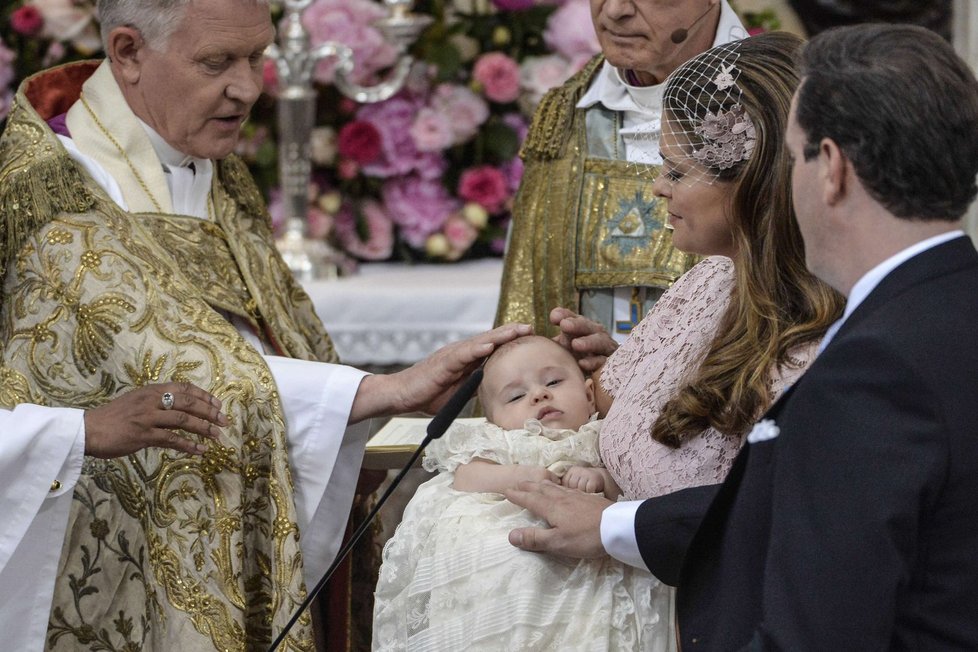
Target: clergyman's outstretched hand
(574, 518)
(140, 418)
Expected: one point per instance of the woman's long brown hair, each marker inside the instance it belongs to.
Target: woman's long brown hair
(777, 304)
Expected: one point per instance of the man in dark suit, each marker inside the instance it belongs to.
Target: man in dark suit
(850, 519)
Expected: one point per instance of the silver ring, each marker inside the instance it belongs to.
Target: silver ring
(167, 401)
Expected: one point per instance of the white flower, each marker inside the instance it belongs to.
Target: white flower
(322, 143)
(70, 21)
(724, 79)
(763, 431)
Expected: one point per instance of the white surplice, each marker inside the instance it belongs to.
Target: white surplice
(40, 448)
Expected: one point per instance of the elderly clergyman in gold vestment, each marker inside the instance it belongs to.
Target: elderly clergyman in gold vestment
(135, 249)
(587, 232)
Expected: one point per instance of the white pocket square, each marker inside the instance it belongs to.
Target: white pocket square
(763, 430)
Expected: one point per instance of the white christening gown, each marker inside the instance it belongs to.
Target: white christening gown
(451, 581)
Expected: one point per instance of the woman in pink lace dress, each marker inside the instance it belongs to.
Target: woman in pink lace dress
(718, 347)
(744, 323)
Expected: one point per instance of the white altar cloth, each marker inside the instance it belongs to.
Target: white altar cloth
(396, 314)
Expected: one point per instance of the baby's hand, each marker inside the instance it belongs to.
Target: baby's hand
(583, 478)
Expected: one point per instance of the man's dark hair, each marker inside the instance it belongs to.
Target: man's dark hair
(903, 107)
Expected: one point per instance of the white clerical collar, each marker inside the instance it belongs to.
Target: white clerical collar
(868, 282)
(188, 178)
(169, 155)
(612, 91)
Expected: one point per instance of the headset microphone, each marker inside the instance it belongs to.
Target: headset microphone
(680, 34)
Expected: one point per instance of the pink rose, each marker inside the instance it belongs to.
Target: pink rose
(484, 185)
(539, 74)
(460, 235)
(468, 111)
(349, 22)
(570, 31)
(374, 222)
(418, 206)
(432, 131)
(499, 76)
(27, 20)
(360, 141)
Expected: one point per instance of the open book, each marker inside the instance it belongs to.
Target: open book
(394, 444)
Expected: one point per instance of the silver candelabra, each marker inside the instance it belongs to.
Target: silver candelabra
(295, 61)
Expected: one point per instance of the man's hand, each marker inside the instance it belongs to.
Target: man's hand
(574, 518)
(586, 339)
(138, 419)
(425, 386)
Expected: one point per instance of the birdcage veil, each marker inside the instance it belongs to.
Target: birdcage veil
(706, 131)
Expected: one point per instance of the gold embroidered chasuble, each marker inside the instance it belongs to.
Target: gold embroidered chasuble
(164, 551)
(584, 218)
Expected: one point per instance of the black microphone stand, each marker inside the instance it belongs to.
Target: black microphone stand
(439, 424)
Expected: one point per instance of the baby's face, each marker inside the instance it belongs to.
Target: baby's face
(537, 379)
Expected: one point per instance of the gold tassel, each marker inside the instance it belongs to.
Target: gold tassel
(32, 195)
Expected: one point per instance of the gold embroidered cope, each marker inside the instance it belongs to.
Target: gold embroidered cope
(164, 551)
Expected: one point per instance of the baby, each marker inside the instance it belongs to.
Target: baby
(534, 378)
(451, 581)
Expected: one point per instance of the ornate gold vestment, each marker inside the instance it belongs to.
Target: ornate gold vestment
(582, 219)
(164, 551)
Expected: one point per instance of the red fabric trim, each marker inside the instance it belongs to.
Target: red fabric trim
(52, 92)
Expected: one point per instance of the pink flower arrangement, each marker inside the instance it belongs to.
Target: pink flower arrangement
(499, 77)
(399, 155)
(428, 174)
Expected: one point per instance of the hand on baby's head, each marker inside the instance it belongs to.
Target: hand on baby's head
(533, 377)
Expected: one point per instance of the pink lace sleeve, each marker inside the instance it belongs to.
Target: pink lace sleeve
(645, 372)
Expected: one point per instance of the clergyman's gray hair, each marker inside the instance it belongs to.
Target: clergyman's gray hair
(155, 19)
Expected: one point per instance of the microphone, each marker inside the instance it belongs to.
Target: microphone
(436, 428)
(680, 34)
